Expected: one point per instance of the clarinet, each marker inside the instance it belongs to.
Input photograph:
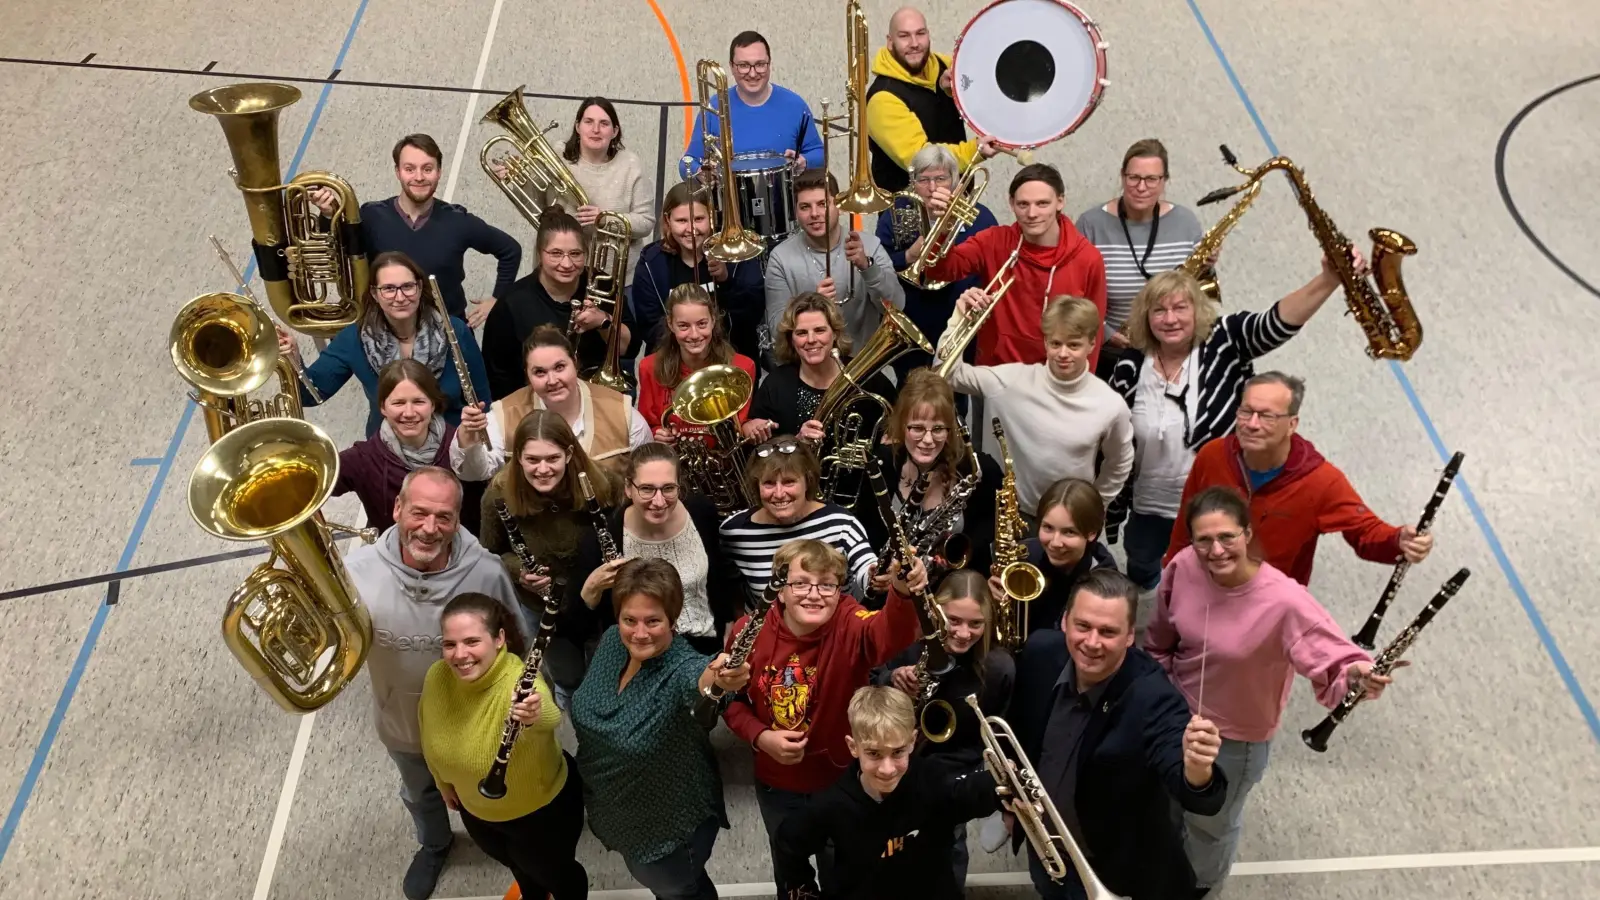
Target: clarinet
(1317, 738)
(608, 546)
(469, 397)
(710, 700)
(493, 785)
(1367, 636)
(935, 628)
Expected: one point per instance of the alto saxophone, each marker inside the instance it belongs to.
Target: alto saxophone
(1022, 580)
(1199, 264)
(1384, 312)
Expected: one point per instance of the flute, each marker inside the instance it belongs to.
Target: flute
(1317, 738)
(1366, 638)
(469, 397)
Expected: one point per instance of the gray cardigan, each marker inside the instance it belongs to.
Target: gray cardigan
(794, 267)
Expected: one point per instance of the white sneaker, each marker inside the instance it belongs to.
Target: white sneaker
(992, 833)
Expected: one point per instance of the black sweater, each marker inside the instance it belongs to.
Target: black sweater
(526, 306)
(1046, 610)
(964, 749)
(441, 244)
(977, 517)
(899, 847)
(778, 399)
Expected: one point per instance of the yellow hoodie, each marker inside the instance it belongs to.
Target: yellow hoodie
(894, 128)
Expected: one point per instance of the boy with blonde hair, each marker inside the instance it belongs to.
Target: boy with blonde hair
(889, 818)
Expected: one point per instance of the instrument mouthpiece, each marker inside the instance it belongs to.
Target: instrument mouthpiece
(1217, 196)
(1227, 155)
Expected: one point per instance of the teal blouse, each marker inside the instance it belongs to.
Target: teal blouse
(650, 777)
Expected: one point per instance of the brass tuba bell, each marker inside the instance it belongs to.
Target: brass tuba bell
(713, 454)
(226, 347)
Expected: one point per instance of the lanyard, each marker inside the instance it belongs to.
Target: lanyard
(1155, 225)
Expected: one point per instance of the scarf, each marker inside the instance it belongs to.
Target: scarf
(429, 347)
(420, 456)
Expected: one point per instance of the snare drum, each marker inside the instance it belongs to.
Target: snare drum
(1028, 72)
(764, 185)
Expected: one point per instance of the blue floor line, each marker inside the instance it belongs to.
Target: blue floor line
(86, 649)
(1568, 678)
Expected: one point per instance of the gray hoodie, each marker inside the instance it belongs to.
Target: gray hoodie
(794, 267)
(405, 606)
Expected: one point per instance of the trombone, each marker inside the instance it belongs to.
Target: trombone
(608, 268)
(862, 196)
(735, 243)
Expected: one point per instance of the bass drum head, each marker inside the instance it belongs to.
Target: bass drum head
(1028, 72)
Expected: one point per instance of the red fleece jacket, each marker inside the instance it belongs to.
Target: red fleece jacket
(1309, 498)
(805, 684)
(1073, 266)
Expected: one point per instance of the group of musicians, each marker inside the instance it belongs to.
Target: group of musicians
(842, 574)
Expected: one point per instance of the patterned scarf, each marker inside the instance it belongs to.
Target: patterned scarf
(429, 347)
(414, 458)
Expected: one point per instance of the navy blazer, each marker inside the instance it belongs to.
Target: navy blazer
(1130, 768)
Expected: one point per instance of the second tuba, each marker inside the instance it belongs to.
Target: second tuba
(305, 258)
(711, 450)
(531, 174)
(226, 347)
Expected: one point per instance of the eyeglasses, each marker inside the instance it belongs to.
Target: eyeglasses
(918, 432)
(1146, 180)
(744, 68)
(788, 446)
(649, 491)
(1178, 311)
(409, 290)
(1245, 414)
(1226, 539)
(556, 255)
(802, 588)
(933, 180)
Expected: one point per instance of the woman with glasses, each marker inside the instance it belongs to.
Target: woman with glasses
(695, 338)
(934, 172)
(399, 322)
(659, 521)
(783, 474)
(553, 294)
(1182, 376)
(1231, 633)
(811, 349)
(1139, 234)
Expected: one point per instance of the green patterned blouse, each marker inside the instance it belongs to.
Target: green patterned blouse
(650, 777)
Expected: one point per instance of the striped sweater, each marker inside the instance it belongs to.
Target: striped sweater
(1176, 236)
(751, 545)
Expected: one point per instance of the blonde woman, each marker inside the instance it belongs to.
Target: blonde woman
(811, 349)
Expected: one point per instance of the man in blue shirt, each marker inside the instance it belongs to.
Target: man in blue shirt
(765, 116)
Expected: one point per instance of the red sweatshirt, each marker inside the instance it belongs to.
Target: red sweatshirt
(1310, 497)
(805, 684)
(655, 397)
(1073, 266)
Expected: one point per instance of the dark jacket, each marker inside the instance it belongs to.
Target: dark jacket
(993, 687)
(1130, 768)
(977, 518)
(899, 847)
(344, 358)
(777, 399)
(742, 298)
(370, 470)
(525, 307)
(441, 244)
(1045, 611)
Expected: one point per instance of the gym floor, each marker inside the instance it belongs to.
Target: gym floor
(139, 760)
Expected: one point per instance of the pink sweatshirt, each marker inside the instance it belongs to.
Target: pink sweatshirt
(1261, 634)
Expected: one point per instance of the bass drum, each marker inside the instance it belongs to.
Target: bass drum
(1028, 72)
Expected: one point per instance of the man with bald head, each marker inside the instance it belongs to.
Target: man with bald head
(909, 104)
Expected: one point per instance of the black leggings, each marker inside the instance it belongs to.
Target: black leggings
(541, 848)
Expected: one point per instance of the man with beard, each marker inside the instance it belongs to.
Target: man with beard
(765, 117)
(405, 579)
(909, 104)
(434, 233)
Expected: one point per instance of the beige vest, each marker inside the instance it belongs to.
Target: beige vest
(606, 422)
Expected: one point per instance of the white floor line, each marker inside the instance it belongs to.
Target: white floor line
(468, 116)
(1281, 867)
(280, 819)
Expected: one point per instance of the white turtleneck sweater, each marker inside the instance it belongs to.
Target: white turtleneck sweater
(1054, 427)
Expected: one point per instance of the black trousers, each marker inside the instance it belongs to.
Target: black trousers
(541, 848)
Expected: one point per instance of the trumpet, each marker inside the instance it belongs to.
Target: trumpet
(937, 239)
(735, 243)
(608, 273)
(531, 175)
(1041, 822)
(956, 338)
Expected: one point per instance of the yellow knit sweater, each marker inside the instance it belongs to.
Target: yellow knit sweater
(461, 723)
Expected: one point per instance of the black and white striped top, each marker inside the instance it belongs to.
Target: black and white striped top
(1176, 236)
(751, 545)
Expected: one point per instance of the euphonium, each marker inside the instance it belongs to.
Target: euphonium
(301, 632)
(532, 174)
(941, 236)
(1385, 312)
(302, 254)
(734, 243)
(713, 455)
(909, 214)
(953, 344)
(608, 274)
(1199, 262)
(862, 196)
(896, 336)
(1022, 580)
(226, 347)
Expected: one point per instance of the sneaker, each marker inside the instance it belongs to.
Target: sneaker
(422, 876)
(992, 833)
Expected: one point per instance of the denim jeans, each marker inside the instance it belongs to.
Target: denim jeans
(1068, 888)
(1211, 842)
(681, 874)
(423, 800)
(775, 806)
(1145, 538)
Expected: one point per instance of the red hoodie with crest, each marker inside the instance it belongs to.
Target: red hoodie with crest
(804, 683)
(1073, 266)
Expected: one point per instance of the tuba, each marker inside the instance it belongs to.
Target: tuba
(608, 273)
(735, 243)
(226, 347)
(531, 175)
(1385, 312)
(1022, 580)
(896, 336)
(713, 453)
(301, 632)
(941, 236)
(1199, 262)
(862, 196)
(303, 255)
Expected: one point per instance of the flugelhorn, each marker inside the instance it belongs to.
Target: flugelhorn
(1385, 312)
(531, 175)
(734, 243)
(304, 257)
(938, 238)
